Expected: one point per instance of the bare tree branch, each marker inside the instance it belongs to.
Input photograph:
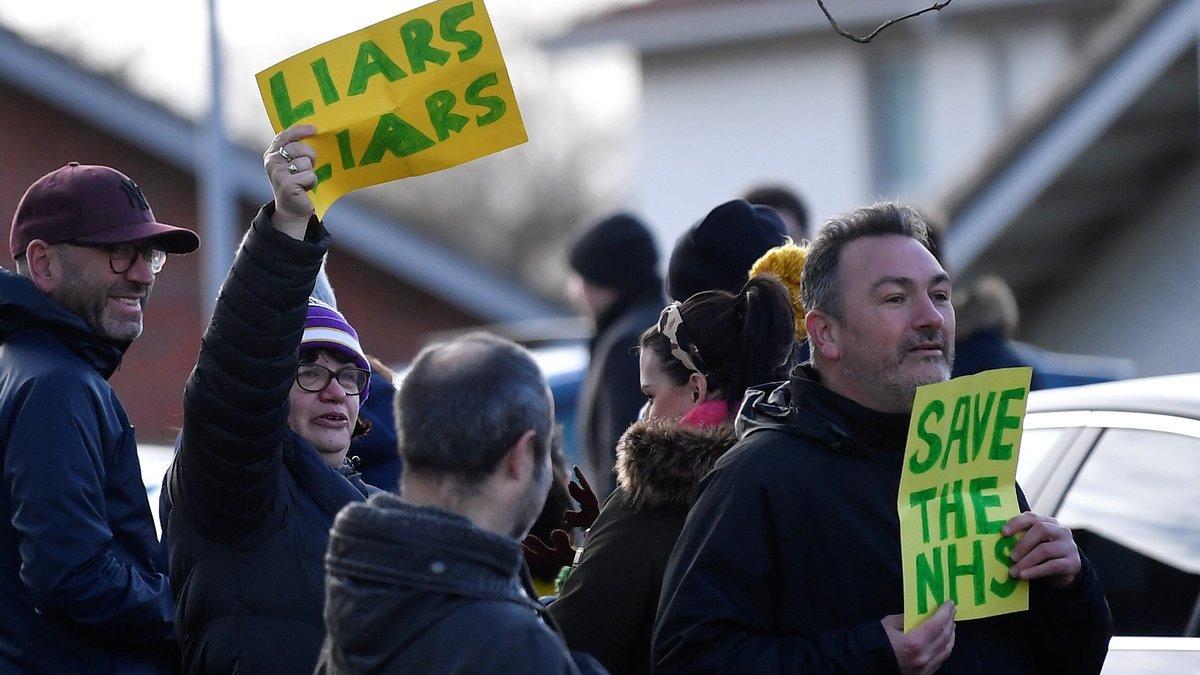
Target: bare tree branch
(937, 6)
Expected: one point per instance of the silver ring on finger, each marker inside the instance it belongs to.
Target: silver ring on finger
(292, 168)
(284, 154)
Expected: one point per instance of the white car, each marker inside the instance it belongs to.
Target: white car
(1119, 463)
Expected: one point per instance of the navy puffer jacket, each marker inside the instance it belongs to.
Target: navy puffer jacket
(82, 583)
(248, 502)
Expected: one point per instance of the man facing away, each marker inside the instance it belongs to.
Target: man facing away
(82, 585)
(790, 560)
(433, 580)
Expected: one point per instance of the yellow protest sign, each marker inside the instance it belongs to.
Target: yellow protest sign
(957, 489)
(419, 92)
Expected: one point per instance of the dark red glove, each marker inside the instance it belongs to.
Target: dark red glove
(589, 506)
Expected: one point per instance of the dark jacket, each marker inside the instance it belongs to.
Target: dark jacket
(791, 556)
(377, 454)
(608, 602)
(611, 396)
(249, 501)
(82, 583)
(419, 590)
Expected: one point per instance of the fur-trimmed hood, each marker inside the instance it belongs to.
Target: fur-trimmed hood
(660, 462)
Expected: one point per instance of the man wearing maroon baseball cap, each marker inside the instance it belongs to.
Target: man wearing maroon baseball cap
(86, 590)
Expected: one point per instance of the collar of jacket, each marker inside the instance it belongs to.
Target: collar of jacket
(389, 541)
(804, 407)
(24, 307)
(622, 305)
(660, 461)
(329, 488)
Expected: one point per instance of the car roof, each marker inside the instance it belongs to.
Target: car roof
(1169, 394)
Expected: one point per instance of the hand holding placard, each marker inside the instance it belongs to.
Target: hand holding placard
(1047, 550)
(922, 650)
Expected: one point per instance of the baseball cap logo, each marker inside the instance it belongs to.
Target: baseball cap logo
(134, 194)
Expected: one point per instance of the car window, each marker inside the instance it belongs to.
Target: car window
(1035, 448)
(1134, 507)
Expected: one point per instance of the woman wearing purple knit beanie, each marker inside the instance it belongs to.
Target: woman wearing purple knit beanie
(260, 470)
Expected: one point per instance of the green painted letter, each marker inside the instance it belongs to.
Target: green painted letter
(471, 41)
(494, 104)
(320, 70)
(931, 579)
(979, 424)
(937, 409)
(922, 498)
(958, 430)
(974, 568)
(953, 504)
(371, 61)
(440, 105)
(417, 35)
(981, 503)
(343, 141)
(288, 114)
(999, 449)
(1003, 553)
(396, 136)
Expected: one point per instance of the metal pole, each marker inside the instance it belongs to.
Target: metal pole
(217, 201)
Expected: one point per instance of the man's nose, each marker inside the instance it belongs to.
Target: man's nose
(929, 315)
(140, 271)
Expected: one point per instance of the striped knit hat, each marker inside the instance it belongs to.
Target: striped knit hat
(326, 328)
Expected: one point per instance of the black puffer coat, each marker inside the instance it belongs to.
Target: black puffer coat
(249, 502)
(608, 602)
(82, 582)
(791, 557)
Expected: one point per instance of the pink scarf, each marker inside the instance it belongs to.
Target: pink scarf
(712, 413)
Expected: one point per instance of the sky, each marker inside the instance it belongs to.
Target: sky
(160, 48)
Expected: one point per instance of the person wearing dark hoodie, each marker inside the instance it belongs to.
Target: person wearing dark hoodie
(696, 362)
(432, 580)
(83, 587)
(789, 561)
(260, 471)
(616, 282)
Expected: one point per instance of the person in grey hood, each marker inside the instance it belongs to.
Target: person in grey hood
(433, 580)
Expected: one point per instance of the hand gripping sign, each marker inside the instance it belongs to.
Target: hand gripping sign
(957, 489)
(416, 93)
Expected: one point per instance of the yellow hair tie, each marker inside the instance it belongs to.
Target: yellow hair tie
(787, 263)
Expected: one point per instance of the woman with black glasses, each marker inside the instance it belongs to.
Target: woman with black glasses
(261, 470)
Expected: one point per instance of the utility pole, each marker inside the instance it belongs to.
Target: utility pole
(217, 200)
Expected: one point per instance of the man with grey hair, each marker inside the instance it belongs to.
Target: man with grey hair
(433, 580)
(790, 559)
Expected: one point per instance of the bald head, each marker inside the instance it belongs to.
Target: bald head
(463, 404)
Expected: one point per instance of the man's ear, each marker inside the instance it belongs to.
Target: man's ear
(45, 268)
(823, 333)
(698, 384)
(521, 458)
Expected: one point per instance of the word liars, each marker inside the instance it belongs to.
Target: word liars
(445, 111)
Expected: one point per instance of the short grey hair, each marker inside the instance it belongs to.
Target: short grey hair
(463, 404)
(819, 287)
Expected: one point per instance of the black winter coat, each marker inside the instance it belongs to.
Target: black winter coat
(249, 502)
(611, 395)
(420, 590)
(608, 602)
(82, 583)
(791, 556)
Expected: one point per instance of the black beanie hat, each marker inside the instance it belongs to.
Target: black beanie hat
(717, 252)
(618, 252)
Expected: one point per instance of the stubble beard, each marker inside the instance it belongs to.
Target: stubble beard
(891, 383)
(91, 304)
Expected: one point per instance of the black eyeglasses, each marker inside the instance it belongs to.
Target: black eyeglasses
(121, 257)
(314, 378)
